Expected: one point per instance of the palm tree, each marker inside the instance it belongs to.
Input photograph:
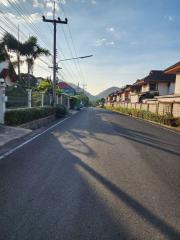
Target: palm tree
(12, 45)
(32, 51)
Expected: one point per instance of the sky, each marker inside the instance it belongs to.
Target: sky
(128, 38)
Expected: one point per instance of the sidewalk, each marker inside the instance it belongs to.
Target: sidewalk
(8, 134)
(11, 134)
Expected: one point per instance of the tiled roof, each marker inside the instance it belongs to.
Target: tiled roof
(65, 86)
(160, 76)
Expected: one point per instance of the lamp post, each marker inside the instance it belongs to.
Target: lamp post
(88, 56)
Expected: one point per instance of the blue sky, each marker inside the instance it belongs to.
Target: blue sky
(128, 38)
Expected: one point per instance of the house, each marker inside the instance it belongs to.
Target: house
(7, 73)
(175, 69)
(125, 93)
(66, 88)
(112, 98)
(157, 83)
(175, 95)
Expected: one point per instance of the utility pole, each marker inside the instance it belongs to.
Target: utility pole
(18, 56)
(54, 22)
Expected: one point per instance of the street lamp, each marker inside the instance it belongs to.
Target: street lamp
(62, 60)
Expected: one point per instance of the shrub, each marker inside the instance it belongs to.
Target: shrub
(163, 119)
(60, 111)
(20, 116)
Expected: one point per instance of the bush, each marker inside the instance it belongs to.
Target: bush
(60, 111)
(20, 116)
(163, 119)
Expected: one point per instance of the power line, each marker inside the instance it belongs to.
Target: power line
(55, 22)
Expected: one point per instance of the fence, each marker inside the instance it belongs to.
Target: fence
(27, 100)
(161, 108)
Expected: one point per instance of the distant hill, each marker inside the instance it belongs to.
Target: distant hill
(89, 95)
(106, 92)
(103, 94)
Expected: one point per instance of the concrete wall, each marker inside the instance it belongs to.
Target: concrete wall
(134, 98)
(145, 88)
(172, 88)
(123, 96)
(162, 108)
(177, 84)
(163, 88)
(176, 110)
(153, 108)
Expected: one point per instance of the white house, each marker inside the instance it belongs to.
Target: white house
(7, 73)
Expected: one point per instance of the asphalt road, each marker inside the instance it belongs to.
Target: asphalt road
(98, 175)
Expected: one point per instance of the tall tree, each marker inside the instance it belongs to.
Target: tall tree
(13, 45)
(32, 51)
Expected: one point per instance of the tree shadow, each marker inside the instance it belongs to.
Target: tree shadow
(46, 192)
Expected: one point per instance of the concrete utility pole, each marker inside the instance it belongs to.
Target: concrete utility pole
(18, 56)
(54, 21)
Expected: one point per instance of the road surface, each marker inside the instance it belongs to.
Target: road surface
(98, 175)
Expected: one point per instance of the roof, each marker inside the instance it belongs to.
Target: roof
(156, 75)
(173, 69)
(65, 86)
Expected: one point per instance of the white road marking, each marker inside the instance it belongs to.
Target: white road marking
(31, 139)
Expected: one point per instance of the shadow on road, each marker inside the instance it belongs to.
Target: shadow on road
(46, 192)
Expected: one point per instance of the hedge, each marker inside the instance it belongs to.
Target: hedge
(147, 115)
(20, 116)
(60, 111)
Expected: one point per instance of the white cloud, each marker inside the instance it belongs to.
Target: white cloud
(49, 14)
(170, 18)
(35, 17)
(133, 43)
(94, 2)
(7, 4)
(110, 43)
(110, 29)
(100, 42)
(37, 4)
(103, 42)
(50, 4)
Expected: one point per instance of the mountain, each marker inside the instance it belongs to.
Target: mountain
(102, 94)
(106, 92)
(89, 95)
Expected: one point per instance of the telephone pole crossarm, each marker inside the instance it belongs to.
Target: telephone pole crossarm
(55, 20)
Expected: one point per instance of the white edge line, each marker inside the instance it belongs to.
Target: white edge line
(31, 139)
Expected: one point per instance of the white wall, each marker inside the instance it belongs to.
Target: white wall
(145, 88)
(123, 96)
(172, 88)
(134, 98)
(177, 84)
(163, 88)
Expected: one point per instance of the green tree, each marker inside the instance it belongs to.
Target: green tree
(45, 86)
(32, 51)
(11, 44)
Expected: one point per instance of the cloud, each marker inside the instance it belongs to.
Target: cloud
(133, 43)
(49, 14)
(7, 4)
(170, 18)
(37, 4)
(35, 17)
(110, 43)
(110, 29)
(103, 42)
(100, 42)
(94, 2)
